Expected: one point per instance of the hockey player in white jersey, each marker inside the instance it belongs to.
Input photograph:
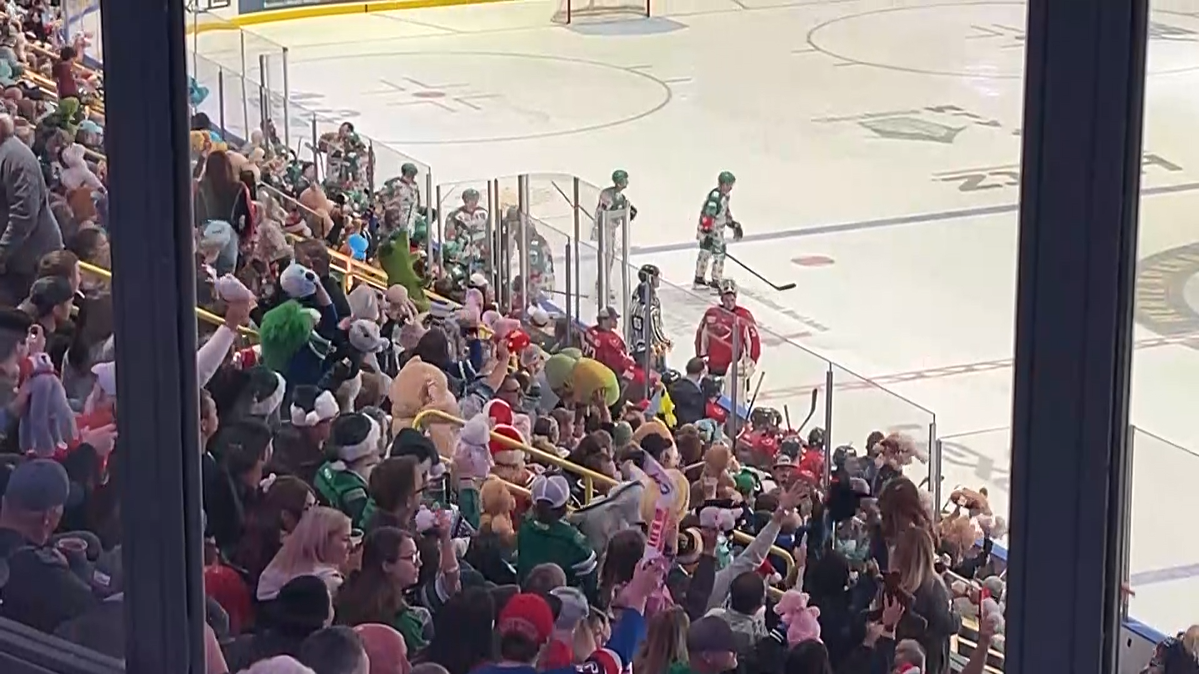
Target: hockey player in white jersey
(467, 227)
(713, 219)
(616, 211)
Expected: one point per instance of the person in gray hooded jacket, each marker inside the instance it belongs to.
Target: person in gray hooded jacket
(28, 229)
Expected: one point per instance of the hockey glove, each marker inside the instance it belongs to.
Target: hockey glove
(632, 212)
(738, 233)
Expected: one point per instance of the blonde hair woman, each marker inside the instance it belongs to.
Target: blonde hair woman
(318, 546)
(927, 619)
(665, 643)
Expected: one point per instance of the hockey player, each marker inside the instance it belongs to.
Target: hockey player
(467, 226)
(403, 194)
(615, 211)
(650, 336)
(714, 339)
(713, 220)
(604, 343)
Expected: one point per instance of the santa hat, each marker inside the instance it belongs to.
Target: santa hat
(355, 436)
(267, 388)
(310, 406)
(504, 453)
(499, 412)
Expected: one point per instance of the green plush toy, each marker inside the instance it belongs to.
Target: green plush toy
(395, 257)
(285, 330)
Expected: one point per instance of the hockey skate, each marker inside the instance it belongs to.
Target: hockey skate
(700, 284)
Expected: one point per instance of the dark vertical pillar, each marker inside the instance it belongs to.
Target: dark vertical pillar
(154, 293)
(1084, 94)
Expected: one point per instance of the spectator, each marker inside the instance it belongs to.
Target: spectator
(28, 229)
(689, 400)
(319, 546)
(747, 596)
(233, 491)
(544, 578)
(665, 645)
(64, 73)
(545, 536)
(301, 608)
(221, 197)
(273, 516)
(711, 647)
(395, 486)
(41, 589)
(375, 593)
(385, 649)
(928, 620)
(280, 664)
(335, 650)
(462, 633)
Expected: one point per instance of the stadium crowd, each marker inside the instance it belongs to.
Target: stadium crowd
(408, 469)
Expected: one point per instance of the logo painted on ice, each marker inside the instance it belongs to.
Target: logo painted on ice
(997, 177)
(932, 123)
(1161, 302)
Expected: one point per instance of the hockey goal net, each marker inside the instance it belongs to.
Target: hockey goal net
(577, 11)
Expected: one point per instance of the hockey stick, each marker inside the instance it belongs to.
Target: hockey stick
(763, 279)
(815, 394)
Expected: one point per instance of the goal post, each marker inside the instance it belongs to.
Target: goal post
(576, 11)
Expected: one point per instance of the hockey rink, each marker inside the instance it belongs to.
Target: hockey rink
(876, 148)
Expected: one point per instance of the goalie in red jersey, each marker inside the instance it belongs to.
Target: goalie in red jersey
(714, 339)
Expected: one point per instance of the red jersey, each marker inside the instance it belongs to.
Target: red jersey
(607, 346)
(714, 338)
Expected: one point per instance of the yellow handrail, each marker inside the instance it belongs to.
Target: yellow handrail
(203, 314)
(590, 477)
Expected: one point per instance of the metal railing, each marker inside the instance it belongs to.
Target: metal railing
(589, 477)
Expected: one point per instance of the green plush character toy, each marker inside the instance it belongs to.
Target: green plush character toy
(287, 329)
(395, 257)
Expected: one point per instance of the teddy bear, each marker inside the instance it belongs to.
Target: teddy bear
(978, 511)
(718, 466)
(800, 619)
(497, 504)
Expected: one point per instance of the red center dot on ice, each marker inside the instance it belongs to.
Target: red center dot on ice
(812, 261)
(428, 94)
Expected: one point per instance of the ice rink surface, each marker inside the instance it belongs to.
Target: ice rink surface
(876, 148)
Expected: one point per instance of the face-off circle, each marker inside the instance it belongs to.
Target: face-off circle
(975, 40)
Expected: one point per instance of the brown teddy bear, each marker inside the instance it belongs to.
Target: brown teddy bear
(719, 465)
(497, 504)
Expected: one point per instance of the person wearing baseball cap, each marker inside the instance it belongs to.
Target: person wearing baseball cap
(711, 646)
(40, 589)
(547, 537)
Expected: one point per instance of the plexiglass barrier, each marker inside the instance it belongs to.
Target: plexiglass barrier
(234, 48)
(786, 376)
(1163, 563)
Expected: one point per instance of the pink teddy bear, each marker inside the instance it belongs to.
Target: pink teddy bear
(800, 619)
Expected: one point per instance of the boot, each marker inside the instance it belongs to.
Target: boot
(699, 283)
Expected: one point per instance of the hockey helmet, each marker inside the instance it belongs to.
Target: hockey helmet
(620, 177)
(470, 194)
(765, 417)
(843, 454)
(816, 438)
(790, 446)
(726, 178)
(728, 287)
(647, 272)
(408, 169)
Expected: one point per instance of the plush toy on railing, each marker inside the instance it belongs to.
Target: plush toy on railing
(196, 92)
